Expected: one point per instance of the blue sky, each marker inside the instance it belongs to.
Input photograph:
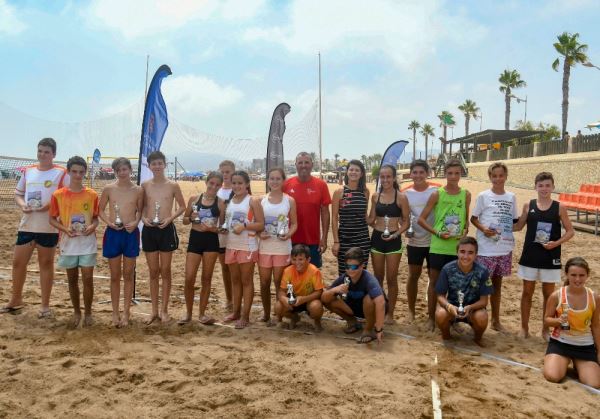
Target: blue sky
(384, 63)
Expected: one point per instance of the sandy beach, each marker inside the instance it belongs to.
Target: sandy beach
(49, 370)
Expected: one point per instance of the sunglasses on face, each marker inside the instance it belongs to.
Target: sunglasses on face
(352, 267)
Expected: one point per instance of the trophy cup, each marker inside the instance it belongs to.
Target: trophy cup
(386, 232)
(290, 294)
(283, 228)
(411, 231)
(118, 221)
(156, 220)
(564, 321)
(224, 228)
(461, 299)
(196, 219)
(496, 227)
(347, 282)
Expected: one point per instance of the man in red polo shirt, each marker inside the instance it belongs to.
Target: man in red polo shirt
(312, 205)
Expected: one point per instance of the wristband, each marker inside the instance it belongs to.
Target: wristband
(439, 234)
(378, 330)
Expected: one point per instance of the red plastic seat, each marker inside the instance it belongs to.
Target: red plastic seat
(596, 189)
(586, 188)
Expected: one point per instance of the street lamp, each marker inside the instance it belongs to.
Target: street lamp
(480, 116)
(519, 100)
(588, 64)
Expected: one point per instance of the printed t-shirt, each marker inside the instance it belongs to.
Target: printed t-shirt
(366, 284)
(36, 187)
(310, 196)
(450, 216)
(473, 284)
(417, 201)
(76, 210)
(304, 283)
(496, 212)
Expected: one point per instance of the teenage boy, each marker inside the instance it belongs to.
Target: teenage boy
(540, 259)
(462, 292)
(159, 237)
(121, 243)
(450, 206)
(357, 293)
(419, 241)
(74, 212)
(32, 196)
(307, 285)
(312, 207)
(494, 215)
(226, 167)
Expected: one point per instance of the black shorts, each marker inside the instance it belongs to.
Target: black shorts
(203, 241)
(357, 306)
(156, 239)
(300, 308)
(43, 239)
(584, 353)
(416, 255)
(438, 261)
(222, 250)
(378, 245)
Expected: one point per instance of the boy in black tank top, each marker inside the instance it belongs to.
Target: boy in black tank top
(540, 259)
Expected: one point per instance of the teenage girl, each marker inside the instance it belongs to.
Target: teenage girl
(386, 252)
(577, 307)
(274, 250)
(244, 219)
(203, 213)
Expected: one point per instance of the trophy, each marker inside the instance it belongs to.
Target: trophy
(118, 221)
(283, 228)
(411, 231)
(290, 294)
(564, 321)
(461, 299)
(347, 282)
(196, 219)
(386, 232)
(156, 220)
(496, 227)
(226, 223)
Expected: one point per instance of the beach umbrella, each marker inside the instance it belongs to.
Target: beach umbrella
(593, 125)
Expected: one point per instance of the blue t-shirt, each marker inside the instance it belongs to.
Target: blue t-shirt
(366, 284)
(474, 284)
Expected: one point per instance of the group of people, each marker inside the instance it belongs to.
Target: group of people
(285, 233)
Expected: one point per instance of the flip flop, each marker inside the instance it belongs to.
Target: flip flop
(230, 318)
(353, 329)
(366, 339)
(206, 320)
(241, 324)
(184, 321)
(45, 314)
(11, 310)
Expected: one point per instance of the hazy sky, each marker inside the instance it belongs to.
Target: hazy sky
(384, 62)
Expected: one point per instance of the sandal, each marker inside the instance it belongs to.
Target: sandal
(366, 338)
(45, 314)
(207, 320)
(353, 328)
(11, 310)
(241, 324)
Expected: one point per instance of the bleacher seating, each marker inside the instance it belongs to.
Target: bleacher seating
(587, 201)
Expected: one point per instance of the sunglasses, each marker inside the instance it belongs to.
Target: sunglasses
(352, 267)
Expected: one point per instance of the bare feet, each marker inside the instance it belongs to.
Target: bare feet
(231, 318)
(479, 342)
(165, 318)
(294, 319)
(116, 321)
(88, 320)
(524, 333)
(318, 327)
(76, 319)
(207, 320)
(264, 318)
(411, 316)
(46, 313)
(125, 321)
(430, 325)
(389, 319)
(241, 323)
(153, 318)
(498, 327)
(184, 320)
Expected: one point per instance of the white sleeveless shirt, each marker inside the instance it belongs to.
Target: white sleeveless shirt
(276, 216)
(239, 214)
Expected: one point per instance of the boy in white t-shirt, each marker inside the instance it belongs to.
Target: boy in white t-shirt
(226, 167)
(494, 215)
(32, 196)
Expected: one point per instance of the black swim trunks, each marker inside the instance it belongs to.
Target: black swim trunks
(156, 239)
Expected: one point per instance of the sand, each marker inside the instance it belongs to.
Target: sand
(49, 370)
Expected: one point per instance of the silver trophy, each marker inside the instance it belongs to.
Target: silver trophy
(347, 282)
(282, 228)
(118, 221)
(156, 220)
(291, 296)
(226, 223)
(196, 219)
(386, 222)
(411, 231)
(564, 321)
(461, 300)
(496, 227)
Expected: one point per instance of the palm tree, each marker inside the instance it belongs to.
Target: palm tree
(363, 158)
(427, 131)
(573, 52)
(336, 156)
(509, 79)
(414, 126)
(469, 110)
(446, 120)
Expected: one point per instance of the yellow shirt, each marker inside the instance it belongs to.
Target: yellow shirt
(304, 283)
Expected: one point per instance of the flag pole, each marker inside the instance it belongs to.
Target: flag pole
(320, 127)
(146, 87)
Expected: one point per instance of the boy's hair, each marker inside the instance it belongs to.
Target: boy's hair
(276, 169)
(227, 163)
(76, 160)
(452, 163)
(301, 249)
(496, 165)
(120, 161)
(48, 142)
(544, 176)
(214, 174)
(354, 253)
(156, 155)
(468, 240)
(420, 163)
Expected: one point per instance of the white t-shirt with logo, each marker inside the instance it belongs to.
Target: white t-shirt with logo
(224, 194)
(417, 201)
(496, 212)
(36, 187)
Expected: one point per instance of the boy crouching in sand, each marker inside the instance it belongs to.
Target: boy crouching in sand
(121, 242)
(306, 286)
(463, 289)
(74, 212)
